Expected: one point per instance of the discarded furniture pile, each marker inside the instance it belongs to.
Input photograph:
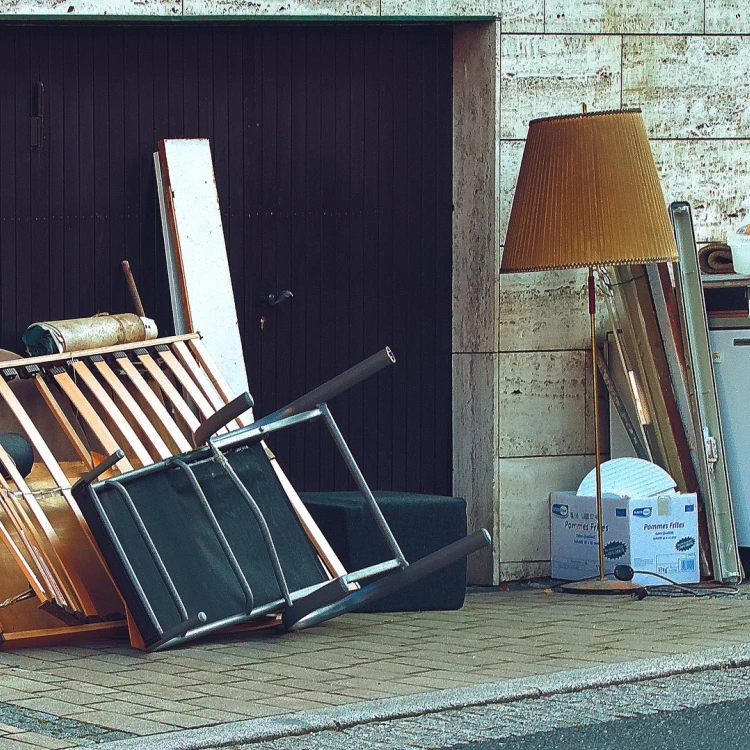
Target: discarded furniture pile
(660, 377)
(176, 519)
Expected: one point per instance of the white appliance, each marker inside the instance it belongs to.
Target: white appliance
(731, 357)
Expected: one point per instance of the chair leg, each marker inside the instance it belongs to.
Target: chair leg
(301, 616)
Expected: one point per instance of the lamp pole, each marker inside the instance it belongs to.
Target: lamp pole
(597, 443)
(600, 585)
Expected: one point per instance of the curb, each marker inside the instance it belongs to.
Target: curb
(342, 717)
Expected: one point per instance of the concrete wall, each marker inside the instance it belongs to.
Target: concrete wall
(522, 420)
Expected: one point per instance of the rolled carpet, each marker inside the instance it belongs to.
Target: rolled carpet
(20, 450)
(57, 336)
(716, 257)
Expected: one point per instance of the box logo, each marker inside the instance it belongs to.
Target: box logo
(560, 509)
(684, 544)
(619, 512)
(689, 508)
(642, 512)
(615, 550)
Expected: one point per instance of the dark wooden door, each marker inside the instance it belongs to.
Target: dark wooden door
(332, 152)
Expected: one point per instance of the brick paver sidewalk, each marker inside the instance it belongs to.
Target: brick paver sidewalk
(69, 696)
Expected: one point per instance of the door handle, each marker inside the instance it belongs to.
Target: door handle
(276, 299)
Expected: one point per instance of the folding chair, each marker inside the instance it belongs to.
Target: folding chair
(210, 538)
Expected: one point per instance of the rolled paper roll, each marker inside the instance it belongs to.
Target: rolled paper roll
(77, 334)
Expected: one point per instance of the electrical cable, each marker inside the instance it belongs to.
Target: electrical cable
(626, 573)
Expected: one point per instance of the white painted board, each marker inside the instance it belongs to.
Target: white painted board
(175, 292)
(199, 254)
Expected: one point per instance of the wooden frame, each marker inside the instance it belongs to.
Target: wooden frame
(173, 378)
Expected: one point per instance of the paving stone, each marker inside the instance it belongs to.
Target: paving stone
(34, 739)
(182, 720)
(498, 635)
(51, 706)
(122, 722)
(230, 705)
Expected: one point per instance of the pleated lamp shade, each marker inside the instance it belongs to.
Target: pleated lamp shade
(588, 194)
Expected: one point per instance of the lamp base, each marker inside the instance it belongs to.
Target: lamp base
(599, 586)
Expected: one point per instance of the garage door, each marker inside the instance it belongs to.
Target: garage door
(332, 150)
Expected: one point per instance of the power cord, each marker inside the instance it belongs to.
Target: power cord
(626, 573)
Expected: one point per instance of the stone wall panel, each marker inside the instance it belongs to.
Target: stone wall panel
(281, 8)
(712, 175)
(689, 86)
(544, 310)
(475, 431)
(525, 484)
(624, 16)
(544, 402)
(74, 8)
(441, 8)
(523, 17)
(727, 17)
(475, 168)
(544, 75)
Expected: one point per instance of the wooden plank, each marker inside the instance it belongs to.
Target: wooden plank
(324, 549)
(170, 391)
(70, 431)
(131, 406)
(646, 354)
(61, 564)
(71, 634)
(21, 561)
(102, 350)
(89, 415)
(163, 417)
(190, 386)
(215, 376)
(25, 529)
(175, 290)
(136, 639)
(44, 453)
(189, 362)
(200, 253)
(90, 381)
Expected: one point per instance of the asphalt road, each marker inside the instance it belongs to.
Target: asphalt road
(719, 725)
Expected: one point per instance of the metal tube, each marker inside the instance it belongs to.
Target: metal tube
(334, 386)
(212, 627)
(595, 378)
(359, 478)
(372, 570)
(223, 541)
(258, 513)
(256, 431)
(393, 582)
(149, 542)
(125, 562)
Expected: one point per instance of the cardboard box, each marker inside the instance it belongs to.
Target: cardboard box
(655, 534)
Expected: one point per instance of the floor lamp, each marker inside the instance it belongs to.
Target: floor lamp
(588, 196)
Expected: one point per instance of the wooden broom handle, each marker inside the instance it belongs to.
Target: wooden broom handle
(133, 289)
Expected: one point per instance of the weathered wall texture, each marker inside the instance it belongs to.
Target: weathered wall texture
(522, 420)
(476, 318)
